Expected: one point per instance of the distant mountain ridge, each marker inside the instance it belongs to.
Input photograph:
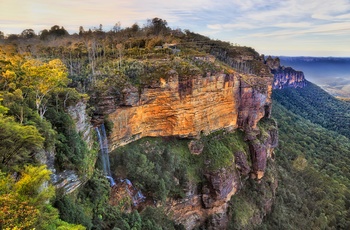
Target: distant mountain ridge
(330, 73)
(308, 100)
(285, 77)
(313, 59)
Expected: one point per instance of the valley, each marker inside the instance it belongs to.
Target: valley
(330, 73)
(158, 128)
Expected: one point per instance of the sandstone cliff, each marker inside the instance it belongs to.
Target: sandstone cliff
(285, 76)
(188, 107)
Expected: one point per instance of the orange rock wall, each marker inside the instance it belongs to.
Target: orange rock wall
(182, 108)
(187, 107)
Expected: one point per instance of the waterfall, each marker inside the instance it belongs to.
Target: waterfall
(136, 195)
(102, 139)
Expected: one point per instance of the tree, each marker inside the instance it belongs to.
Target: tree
(135, 27)
(44, 78)
(28, 33)
(120, 48)
(81, 30)
(18, 143)
(12, 37)
(24, 201)
(44, 34)
(117, 27)
(157, 25)
(57, 31)
(3, 109)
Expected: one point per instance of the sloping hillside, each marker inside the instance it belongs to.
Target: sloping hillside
(316, 105)
(312, 161)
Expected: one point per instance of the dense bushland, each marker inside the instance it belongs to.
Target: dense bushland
(163, 167)
(314, 183)
(316, 105)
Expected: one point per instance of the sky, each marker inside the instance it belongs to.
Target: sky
(272, 27)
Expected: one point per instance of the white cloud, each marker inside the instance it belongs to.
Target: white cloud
(230, 26)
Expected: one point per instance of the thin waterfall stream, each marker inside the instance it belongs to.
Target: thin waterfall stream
(137, 196)
(102, 139)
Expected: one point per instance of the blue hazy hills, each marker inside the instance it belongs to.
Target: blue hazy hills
(331, 73)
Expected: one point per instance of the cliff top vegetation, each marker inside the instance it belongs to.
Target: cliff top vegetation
(134, 54)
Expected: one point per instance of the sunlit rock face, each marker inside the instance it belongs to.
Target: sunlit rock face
(182, 107)
(189, 106)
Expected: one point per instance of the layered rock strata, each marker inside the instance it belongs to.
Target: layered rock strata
(285, 77)
(209, 206)
(188, 107)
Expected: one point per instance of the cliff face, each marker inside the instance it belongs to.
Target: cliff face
(207, 207)
(288, 77)
(189, 106)
(69, 180)
(285, 77)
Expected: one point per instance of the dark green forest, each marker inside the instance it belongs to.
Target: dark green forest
(313, 161)
(316, 105)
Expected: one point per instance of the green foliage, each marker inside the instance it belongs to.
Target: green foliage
(24, 202)
(155, 218)
(313, 172)
(316, 105)
(91, 208)
(71, 149)
(217, 154)
(163, 167)
(243, 212)
(18, 143)
(219, 148)
(72, 212)
(251, 203)
(154, 165)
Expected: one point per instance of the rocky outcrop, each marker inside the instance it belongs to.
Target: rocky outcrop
(255, 102)
(82, 121)
(66, 181)
(285, 77)
(209, 206)
(261, 148)
(190, 106)
(288, 77)
(69, 180)
(187, 107)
